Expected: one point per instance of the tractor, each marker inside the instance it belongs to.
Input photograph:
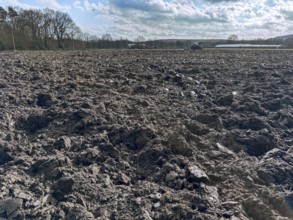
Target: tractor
(196, 46)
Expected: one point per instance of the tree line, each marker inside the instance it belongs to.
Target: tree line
(47, 29)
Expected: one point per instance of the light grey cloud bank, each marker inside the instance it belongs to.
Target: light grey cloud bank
(197, 18)
(177, 18)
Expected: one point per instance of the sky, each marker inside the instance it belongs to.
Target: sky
(170, 19)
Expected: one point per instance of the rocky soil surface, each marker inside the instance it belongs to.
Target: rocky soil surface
(142, 134)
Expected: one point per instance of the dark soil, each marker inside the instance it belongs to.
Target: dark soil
(147, 134)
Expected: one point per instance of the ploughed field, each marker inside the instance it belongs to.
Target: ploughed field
(146, 134)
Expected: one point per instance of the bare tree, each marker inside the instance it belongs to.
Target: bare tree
(86, 37)
(61, 25)
(37, 29)
(45, 29)
(95, 41)
(31, 23)
(140, 39)
(107, 37)
(233, 37)
(3, 14)
(106, 41)
(74, 33)
(11, 15)
(48, 30)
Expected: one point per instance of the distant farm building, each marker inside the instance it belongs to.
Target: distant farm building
(247, 46)
(137, 46)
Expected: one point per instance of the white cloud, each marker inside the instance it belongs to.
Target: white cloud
(90, 6)
(78, 5)
(54, 4)
(166, 18)
(17, 3)
(202, 18)
(183, 18)
(85, 5)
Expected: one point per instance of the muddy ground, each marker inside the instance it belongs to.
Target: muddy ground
(146, 134)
